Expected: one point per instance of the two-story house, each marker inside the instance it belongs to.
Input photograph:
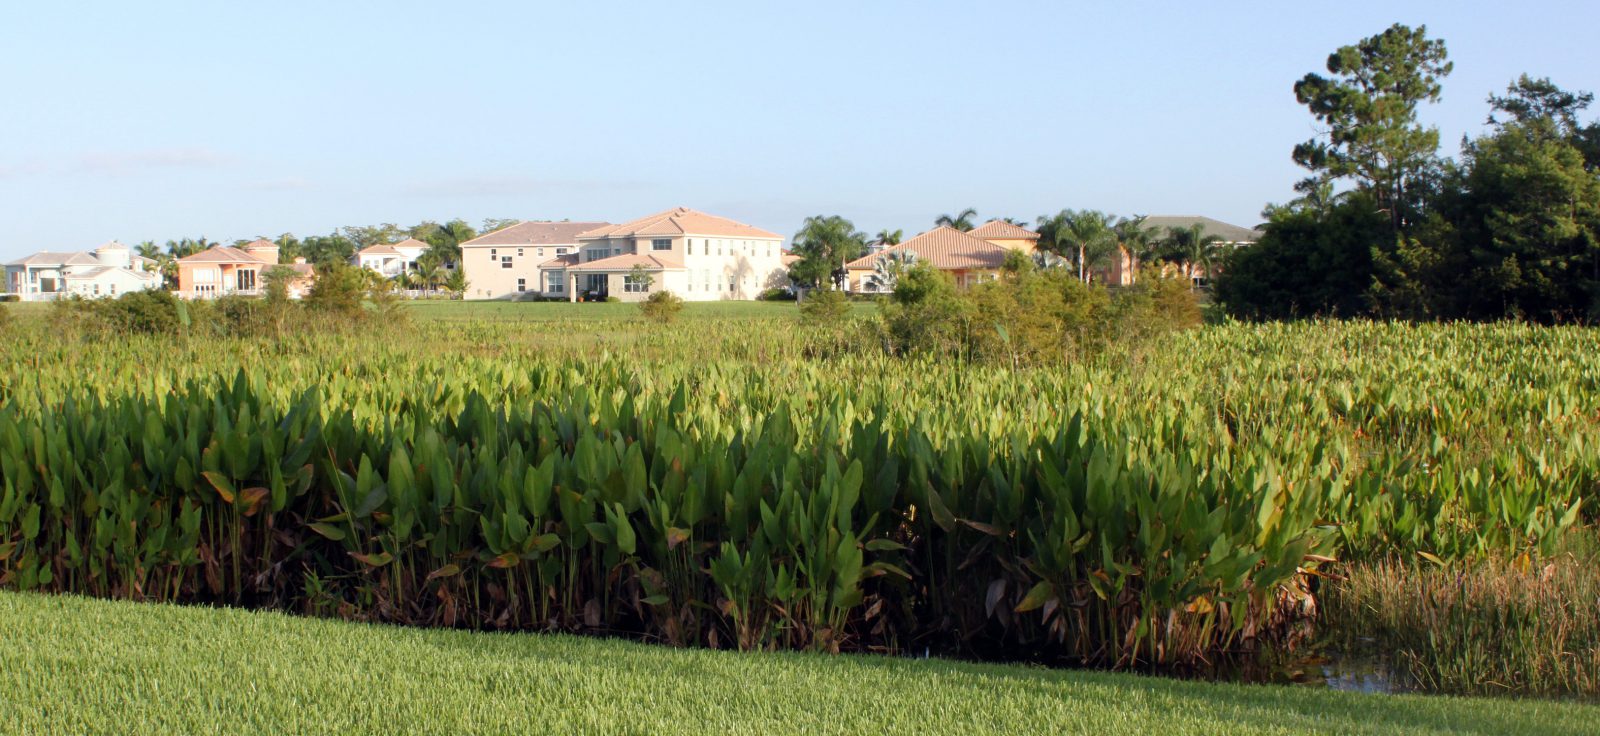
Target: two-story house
(223, 270)
(391, 259)
(698, 256)
(518, 260)
(108, 271)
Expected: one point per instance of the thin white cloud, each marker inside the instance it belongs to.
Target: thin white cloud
(128, 162)
(492, 186)
(286, 184)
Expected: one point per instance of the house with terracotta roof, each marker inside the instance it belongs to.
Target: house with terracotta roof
(391, 259)
(522, 259)
(224, 270)
(695, 255)
(1007, 235)
(970, 257)
(108, 271)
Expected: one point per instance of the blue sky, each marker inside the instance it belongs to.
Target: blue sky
(232, 120)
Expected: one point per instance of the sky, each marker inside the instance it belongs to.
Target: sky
(161, 120)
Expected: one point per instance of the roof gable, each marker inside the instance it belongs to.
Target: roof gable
(681, 221)
(944, 248)
(535, 232)
(1222, 230)
(1002, 230)
(223, 254)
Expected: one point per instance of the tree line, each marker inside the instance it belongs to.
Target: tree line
(1387, 227)
(1086, 242)
(434, 268)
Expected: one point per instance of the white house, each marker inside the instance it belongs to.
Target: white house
(391, 260)
(521, 259)
(698, 256)
(110, 270)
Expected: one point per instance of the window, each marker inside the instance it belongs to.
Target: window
(661, 244)
(519, 252)
(505, 261)
(540, 252)
(689, 245)
(562, 251)
(522, 284)
(491, 254)
(97, 290)
(553, 283)
(730, 283)
(113, 289)
(719, 247)
(636, 284)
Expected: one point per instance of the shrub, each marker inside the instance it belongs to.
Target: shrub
(10, 297)
(139, 312)
(776, 294)
(612, 299)
(338, 291)
(661, 306)
(824, 307)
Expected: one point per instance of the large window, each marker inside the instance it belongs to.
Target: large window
(661, 244)
(505, 261)
(636, 284)
(522, 284)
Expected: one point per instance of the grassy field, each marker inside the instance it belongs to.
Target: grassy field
(541, 311)
(107, 667)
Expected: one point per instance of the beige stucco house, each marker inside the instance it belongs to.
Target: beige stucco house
(520, 259)
(108, 271)
(697, 256)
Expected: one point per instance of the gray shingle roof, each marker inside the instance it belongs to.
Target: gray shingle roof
(1226, 232)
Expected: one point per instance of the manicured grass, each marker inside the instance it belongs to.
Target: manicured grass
(537, 311)
(75, 665)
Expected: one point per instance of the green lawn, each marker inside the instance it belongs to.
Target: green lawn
(74, 665)
(516, 311)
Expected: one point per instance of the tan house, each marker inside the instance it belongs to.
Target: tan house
(969, 259)
(519, 259)
(223, 270)
(698, 256)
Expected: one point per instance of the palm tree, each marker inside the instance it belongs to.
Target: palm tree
(825, 243)
(428, 271)
(456, 283)
(887, 267)
(1139, 242)
(1192, 247)
(962, 221)
(1084, 235)
(889, 237)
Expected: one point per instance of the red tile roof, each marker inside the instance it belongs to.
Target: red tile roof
(944, 248)
(681, 221)
(533, 232)
(222, 254)
(1002, 230)
(627, 261)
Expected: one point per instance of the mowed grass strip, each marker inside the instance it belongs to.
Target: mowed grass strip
(75, 665)
(448, 310)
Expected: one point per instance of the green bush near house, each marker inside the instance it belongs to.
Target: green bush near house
(661, 306)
